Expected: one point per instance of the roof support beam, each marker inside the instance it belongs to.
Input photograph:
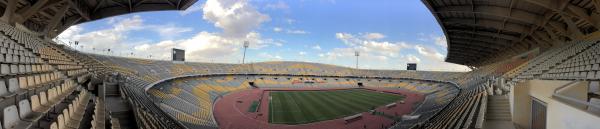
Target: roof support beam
(81, 10)
(56, 19)
(498, 25)
(27, 12)
(518, 15)
(483, 33)
(572, 27)
(9, 12)
(582, 14)
(478, 42)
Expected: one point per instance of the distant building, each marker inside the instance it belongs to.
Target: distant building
(178, 55)
(411, 66)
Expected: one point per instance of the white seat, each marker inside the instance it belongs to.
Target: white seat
(594, 101)
(13, 85)
(25, 111)
(8, 58)
(22, 69)
(14, 69)
(11, 118)
(4, 69)
(3, 89)
(591, 75)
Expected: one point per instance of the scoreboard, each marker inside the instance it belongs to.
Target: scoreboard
(178, 54)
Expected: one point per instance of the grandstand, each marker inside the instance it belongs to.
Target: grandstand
(535, 64)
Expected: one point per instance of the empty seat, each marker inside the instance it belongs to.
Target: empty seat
(4, 69)
(23, 82)
(3, 89)
(14, 69)
(25, 111)
(53, 125)
(36, 106)
(11, 118)
(44, 99)
(13, 85)
(61, 122)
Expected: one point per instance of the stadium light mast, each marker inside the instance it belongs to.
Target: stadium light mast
(246, 45)
(356, 54)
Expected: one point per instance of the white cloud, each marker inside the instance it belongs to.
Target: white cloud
(203, 46)
(267, 56)
(441, 41)
(316, 47)
(373, 36)
(206, 46)
(288, 31)
(413, 59)
(278, 5)
(301, 53)
(385, 54)
(169, 31)
(427, 52)
(296, 32)
(192, 9)
(290, 21)
(237, 18)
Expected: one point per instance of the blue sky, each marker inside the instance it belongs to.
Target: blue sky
(387, 33)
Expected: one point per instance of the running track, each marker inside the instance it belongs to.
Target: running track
(231, 112)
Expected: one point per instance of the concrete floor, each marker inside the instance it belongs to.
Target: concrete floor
(492, 124)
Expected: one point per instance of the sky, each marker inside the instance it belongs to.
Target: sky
(386, 33)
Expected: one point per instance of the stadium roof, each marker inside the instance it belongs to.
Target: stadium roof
(479, 31)
(50, 17)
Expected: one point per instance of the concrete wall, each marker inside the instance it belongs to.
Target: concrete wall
(521, 98)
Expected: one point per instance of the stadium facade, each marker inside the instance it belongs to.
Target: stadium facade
(536, 64)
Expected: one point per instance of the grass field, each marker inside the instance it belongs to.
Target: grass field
(299, 107)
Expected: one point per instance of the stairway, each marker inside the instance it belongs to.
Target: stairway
(498, 108)
(498, 114)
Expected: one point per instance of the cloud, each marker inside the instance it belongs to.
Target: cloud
(296, 32)
(427, 52)
(441, 41)
(206, 46)
(267, 56)
(288, 31)
(290, 21)
(202, 46)
(373, 36)
(301, 53)
(192, 9)
(366, 45)
(413, 59)
(316, 47)
(169, 31)
(237, 18)
(279, 5)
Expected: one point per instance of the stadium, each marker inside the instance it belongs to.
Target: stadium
(533, 64)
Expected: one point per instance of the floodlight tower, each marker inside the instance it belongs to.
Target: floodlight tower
(246, 45)
(356, 54)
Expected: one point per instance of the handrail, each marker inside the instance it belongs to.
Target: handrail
(571, 99)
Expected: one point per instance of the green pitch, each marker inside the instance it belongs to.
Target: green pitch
(300, 107)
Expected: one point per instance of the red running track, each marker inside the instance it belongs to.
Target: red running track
(231, 111)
